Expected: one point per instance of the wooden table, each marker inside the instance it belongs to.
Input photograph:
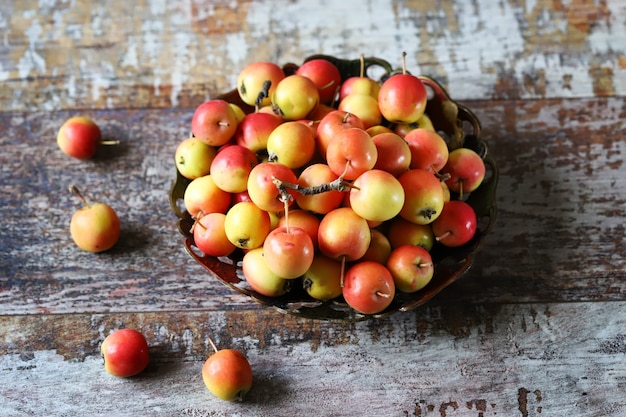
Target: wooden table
(536, 328)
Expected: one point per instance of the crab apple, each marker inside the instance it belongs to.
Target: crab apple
(202, 196)
(359, 85)
(394, 154)
(252, 79)
(305, 220)
(322, 281)
(291, 144)
(376, 195)
(227, 374)
(214, 122)
(239, 197)
(368, 287)
(456, 225)
(193, 158)
(255, 129)
(403, 232)
(262, 189)
(423, 196)
(209, 235)
(446, 191)
(379, 249)
(125, 353)
(321, 203)
(260, 277)
(343, 234)
(412, 268)
(423, 122)
(331, 124)
(288, 251)
(318, 113)
(364, 106)
(238, 112)
(295, 97)
(325, 75)
(94, 227)
(351, 152)
(428, 149)
(246, 225)
(466, 169)
(402, 98)
(375, 130)
(231, 167)
(79, 137)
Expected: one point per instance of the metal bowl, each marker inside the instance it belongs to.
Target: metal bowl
(456, 123)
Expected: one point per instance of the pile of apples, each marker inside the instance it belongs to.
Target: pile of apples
(339, 186)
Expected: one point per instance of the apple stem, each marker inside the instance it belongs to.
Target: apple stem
(425, 265)
(382, 294)
(74, 190)
(110, 142)
(460, 189)
(212, 344)
(443, 236)
(343, 269)
(340, 184)
(286, 203)
(362, 73)
(403, 62)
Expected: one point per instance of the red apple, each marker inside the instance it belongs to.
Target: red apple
(456, 225)
(379, 249)
(343, 234)
(368, 287)
(260, 277)
(288, 251)
(79, 137)
(411, 266)
(227, 374)
(202, 196)
(326, 77)
(262, 189)
(403, 232)
(255, 129)
(302, 219)
(466, 169)
(351, 152)
(94, 227)
(331, 124)
(231, 167)
(210, 237)
(315, 175)
(428, 149)
(402, 98)
(423, 196)
(214, 122)
(394, 154)
(376, 195)
(125, 353)
(291, 144)
(251, 80)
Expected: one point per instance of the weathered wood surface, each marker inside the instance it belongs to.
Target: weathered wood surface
(536, 328)
(161, 54)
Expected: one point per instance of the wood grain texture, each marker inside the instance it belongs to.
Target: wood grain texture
(478, 361)
(111, 54)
